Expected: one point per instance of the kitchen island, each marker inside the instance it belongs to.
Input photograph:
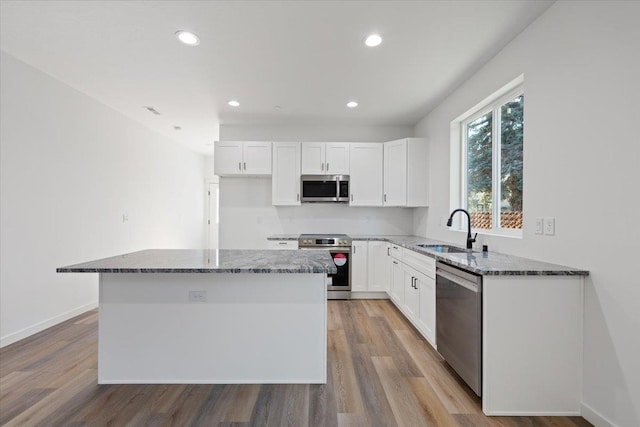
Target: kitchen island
(212, 316)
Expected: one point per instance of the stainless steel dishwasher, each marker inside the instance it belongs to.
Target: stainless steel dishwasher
(459, 322)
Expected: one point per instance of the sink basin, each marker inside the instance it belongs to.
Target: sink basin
(443, 248)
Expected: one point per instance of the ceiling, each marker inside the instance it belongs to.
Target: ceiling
(307, 57)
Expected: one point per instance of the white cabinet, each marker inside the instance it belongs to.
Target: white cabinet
(282, 244)
(397, 282)
(413, 289)
(427, 307)
(365, 174)
(359, 266)
(395, 173)
(242, 158)
(285, 182)
(325, 158)
(378, 268)
(405, 172)
(411, 292)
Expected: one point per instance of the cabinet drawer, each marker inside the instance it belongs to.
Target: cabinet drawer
(283, 244)
(396, 251)
(424, 264)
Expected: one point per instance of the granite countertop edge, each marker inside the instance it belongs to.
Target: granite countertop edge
(252, 261)
(519, 266)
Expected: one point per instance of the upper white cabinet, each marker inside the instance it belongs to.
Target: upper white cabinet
(405, 173)
(365, 168)
(325, 158)
(242, 158)
(285, 182)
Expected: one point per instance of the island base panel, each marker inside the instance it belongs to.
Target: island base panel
(252, 328)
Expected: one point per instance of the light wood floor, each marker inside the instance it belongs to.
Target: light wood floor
(381, 373)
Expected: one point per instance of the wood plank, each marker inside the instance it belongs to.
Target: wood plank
(344, 378)
(399, 394)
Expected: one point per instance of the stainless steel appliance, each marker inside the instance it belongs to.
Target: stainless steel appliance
(339, 245)
(324, 188)
(459, 322)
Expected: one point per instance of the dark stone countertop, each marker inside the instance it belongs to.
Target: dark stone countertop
(210, 261)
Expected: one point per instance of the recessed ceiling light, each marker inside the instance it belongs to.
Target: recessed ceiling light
(373, 40)
(352, 104)
(188, 38)
(234, 103)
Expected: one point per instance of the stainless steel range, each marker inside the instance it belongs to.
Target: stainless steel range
(339, 245)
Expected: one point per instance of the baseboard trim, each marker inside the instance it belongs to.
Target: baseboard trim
(595, 417)
(369, 295)
(41, 326)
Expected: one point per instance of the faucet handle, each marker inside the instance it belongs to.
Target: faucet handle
(474, 237)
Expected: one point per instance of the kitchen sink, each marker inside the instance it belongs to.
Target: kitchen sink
(443, 248)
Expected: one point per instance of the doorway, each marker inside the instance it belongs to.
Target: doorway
(213, 220)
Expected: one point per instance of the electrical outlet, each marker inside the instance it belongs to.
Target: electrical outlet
(125, 217)
(549, 226)
(197, 296)
(539, 225)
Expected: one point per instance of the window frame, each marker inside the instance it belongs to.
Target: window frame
(492, 104)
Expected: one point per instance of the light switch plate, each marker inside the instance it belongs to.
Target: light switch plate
(549, 226)
(539, 225)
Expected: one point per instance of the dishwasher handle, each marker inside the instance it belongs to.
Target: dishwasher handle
(468, 284)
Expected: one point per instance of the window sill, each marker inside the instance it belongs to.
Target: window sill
(514, 234)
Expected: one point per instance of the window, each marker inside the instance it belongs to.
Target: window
(490, 141)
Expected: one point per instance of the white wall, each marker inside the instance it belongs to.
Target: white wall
(581, 64)
(247, 217)
(70, 168)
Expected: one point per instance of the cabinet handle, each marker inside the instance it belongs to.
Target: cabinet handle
(352, 197)
(245, 165)
(354, 249)
(298, 197)
(282, 243)
(385, 197)
(395, 262)
(327, 167)
(322, 166)
(239, 166)
(388, 251)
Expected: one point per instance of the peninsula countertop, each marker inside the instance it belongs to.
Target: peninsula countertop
(484, 263)
(210, 261)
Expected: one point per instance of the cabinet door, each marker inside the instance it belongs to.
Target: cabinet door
(395, 173)
(313, 155)
(411, 294)
(417, 172)
(257, 158)
(397, 282)
(285, 182)
(337, 158)
(427, 307)
(378, 266)
(227, 158)
(365, 166)
(359, 266)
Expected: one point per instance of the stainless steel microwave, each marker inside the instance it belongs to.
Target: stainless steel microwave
(324, 188)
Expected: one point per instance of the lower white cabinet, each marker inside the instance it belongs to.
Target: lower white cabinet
(359, 266)
(397, 282)
(427, 311)
(411, 302)
(413, 290)
(378, 266)
(370, 268)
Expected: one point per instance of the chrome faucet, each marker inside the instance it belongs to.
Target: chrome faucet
(470, 239)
